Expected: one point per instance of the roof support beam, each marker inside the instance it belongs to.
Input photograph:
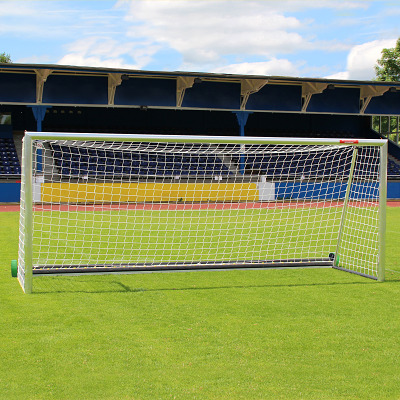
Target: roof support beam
(248, 87)
(41, 77)
(310, 88)
(114, 80)
(182, 83)
(242, 117)
(368, 92)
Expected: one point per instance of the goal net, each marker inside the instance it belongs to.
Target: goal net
(107, 203)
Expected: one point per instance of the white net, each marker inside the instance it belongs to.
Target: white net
(105, 206)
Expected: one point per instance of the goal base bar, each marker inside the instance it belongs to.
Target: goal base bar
(355, 272)
(182, 266)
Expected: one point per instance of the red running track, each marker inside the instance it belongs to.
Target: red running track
(187, 206)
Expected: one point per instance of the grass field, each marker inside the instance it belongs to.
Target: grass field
(266, 334)
(196, 235)
(169, 235)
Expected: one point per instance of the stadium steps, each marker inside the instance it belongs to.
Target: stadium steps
(393, 167)
(17, 136)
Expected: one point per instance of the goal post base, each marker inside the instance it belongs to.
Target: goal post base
(142, 267)
(14, 268)
(355, 272)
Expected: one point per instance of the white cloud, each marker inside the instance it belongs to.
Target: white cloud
(202, 35)
(44, 59)
(10, 9)
(344, 75)
(92, 61)
(57, 19)
(295, 5)
(278, 67)
(362, 59)
(106, 52)
(205, 32)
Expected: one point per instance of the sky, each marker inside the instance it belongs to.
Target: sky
(336, 39)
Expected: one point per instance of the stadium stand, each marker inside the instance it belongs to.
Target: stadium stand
(303, 165)
(94, 100)
(78, 162)
(73, 161)
(393, 168)
(9, 162)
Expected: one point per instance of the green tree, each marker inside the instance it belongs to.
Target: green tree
(5, 58)
(387, 69)
(388, 66)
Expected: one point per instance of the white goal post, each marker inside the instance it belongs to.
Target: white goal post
(121, 202)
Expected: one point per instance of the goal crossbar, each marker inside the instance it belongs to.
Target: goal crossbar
(150, 138)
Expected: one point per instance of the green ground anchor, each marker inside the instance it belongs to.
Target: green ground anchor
(332, 258)
(14, 268)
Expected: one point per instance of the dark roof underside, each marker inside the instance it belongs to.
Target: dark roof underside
(51, 85)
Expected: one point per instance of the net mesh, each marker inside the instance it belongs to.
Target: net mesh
(136, 204)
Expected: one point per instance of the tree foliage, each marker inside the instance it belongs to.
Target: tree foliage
(388, 66)
(387, 69)
(5, 58)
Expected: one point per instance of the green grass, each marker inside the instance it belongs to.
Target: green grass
(274, 334)
(198, 235)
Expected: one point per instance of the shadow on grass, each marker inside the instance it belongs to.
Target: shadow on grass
(119, 287)
(73, 284)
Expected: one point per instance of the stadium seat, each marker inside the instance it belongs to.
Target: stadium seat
(101, 161)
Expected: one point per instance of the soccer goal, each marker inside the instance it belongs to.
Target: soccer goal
(118, 202)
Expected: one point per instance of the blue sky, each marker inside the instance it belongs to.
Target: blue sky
(305, 38)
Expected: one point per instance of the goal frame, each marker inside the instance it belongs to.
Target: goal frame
(27, 181)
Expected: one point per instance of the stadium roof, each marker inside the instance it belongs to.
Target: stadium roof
(59, 85)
